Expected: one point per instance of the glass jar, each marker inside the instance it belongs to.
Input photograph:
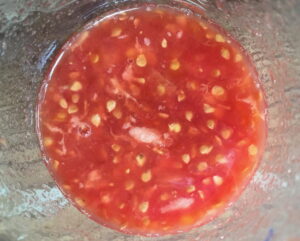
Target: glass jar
(31, 205)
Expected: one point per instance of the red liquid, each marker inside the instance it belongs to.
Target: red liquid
(151, 121)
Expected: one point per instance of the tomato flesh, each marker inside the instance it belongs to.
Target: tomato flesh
(151, 121)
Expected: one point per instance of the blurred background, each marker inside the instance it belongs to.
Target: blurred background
(31, 206)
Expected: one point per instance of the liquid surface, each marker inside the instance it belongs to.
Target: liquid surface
(151, 121)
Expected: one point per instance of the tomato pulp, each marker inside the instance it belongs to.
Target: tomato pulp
(151, 121)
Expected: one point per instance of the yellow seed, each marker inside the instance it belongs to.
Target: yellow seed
(48, 141)
(127, 171)
(140, 159)
(116, 32)
(75, 98)
(141, 61)
(116, 147)
(206, 181)
(191, 85)
(111, 105)
(200, 70)
(191, 188)
(141, 80)
(217, 90)
(129, 185)
(211, 124)
(158, 151)
(164, 43)
(175, 127)
(238, 58)
(175, 64)
(105, 199)
(226, 133)
(186, 158)
(181, 96)
(189, 115)
(202, 166)
(72, 109)
(205, 149)
(219, 38)
(80, 202)
(161, 89)
(252, 150)
(55, 164)
(164, 196)
(76, 86)
(218, 140)
(115, 160)
(96, 120)
(143, 207)
(94, 58)
(122, 205)
(63, 103)
(163, 115)
(216, 73)
(218, 180)
(208, 109)
(201, 194)
(146, 176)
(61, 116)
(225, 53)
(117, 114)
(221, 159)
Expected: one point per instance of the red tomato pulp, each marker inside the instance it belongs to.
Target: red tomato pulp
(151, 121)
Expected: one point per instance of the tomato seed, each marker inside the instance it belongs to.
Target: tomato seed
(226, 133)
(219, 38)
(116, 32)
(252, 150)
(225, 53)
(111, 105)
(164, 43)
(76, 86)
(186, 158)
(202, 166)
(63, 103)
(205, 149)
(175, 127)
(211, 124)
(218, 180)
(96, 120)
(208, 109)
(146, 176)
(175, 65)
(48, 141)
(221, 159)
(141, 61)
(143, 207)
